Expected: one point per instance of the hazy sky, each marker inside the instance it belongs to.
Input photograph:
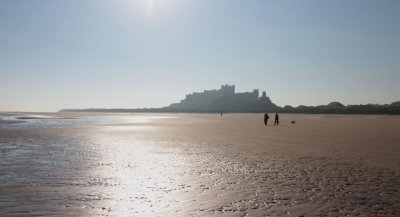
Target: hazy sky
(58, 54)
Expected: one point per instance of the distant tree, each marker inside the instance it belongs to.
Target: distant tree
(288, 107)
(395, 104)
(335, 105)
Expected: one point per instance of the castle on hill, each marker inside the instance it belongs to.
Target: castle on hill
(227, 91)
(224, 99)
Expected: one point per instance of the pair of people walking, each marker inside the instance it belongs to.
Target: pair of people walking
(266, 117)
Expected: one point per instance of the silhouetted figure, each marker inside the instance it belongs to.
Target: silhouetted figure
(276, 119)
(221, 113)
(266, 117)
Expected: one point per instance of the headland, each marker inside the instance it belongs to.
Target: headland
(226, 100)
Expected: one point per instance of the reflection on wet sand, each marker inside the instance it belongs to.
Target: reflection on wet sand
(188, 164)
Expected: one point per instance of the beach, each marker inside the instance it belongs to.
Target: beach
(95, 164)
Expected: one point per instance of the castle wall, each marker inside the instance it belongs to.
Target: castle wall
(226, 91)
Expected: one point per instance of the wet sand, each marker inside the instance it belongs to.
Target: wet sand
(204, 165)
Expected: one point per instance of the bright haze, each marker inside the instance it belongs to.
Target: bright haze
(138, 53)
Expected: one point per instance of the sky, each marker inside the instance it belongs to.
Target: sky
(57, 54)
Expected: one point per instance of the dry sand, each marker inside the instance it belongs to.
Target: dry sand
(230, 165)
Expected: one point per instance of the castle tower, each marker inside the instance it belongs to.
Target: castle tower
(255, 92)
(227, 90)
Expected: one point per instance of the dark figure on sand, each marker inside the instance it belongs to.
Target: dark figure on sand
(276, 119)
(266, 117)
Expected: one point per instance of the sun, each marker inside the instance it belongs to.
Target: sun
(150, 7)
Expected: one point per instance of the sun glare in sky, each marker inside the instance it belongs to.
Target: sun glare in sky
(149, 7)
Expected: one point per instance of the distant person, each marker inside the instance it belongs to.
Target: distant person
(221, 113)
(276, 119)
(266, 117)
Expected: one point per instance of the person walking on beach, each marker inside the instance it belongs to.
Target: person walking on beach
(276, 119)
(266, 117)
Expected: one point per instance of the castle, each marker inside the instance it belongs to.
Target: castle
(226, 92)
